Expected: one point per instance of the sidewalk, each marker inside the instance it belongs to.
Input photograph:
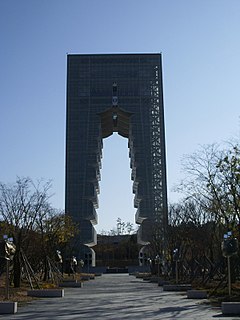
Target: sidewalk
(118, 296)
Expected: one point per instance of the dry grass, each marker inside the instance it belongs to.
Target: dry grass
(15, 294)
(20, 294)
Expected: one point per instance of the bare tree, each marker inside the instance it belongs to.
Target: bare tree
(21, 205)
(212, 180)
(212, 185)
(122, 228)
(55, 230)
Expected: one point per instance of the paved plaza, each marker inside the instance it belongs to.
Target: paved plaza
(118, 296)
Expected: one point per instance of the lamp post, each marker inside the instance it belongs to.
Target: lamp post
(9, 250)
(229, 248)
(7, 279)
(176, 259)
(157, 261)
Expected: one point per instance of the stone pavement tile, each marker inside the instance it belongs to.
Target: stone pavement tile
(118, 296)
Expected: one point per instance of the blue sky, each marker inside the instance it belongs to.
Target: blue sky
(200, 43)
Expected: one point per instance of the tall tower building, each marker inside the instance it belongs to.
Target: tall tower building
(120, 93)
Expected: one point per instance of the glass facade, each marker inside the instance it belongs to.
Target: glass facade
(121, 93)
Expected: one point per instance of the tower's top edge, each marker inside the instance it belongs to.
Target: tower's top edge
(114, 54)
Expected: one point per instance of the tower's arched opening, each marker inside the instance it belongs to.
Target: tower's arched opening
(116, 197)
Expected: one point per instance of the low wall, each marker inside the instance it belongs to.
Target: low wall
(7, 307)
(46, 293)
(231, 308)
